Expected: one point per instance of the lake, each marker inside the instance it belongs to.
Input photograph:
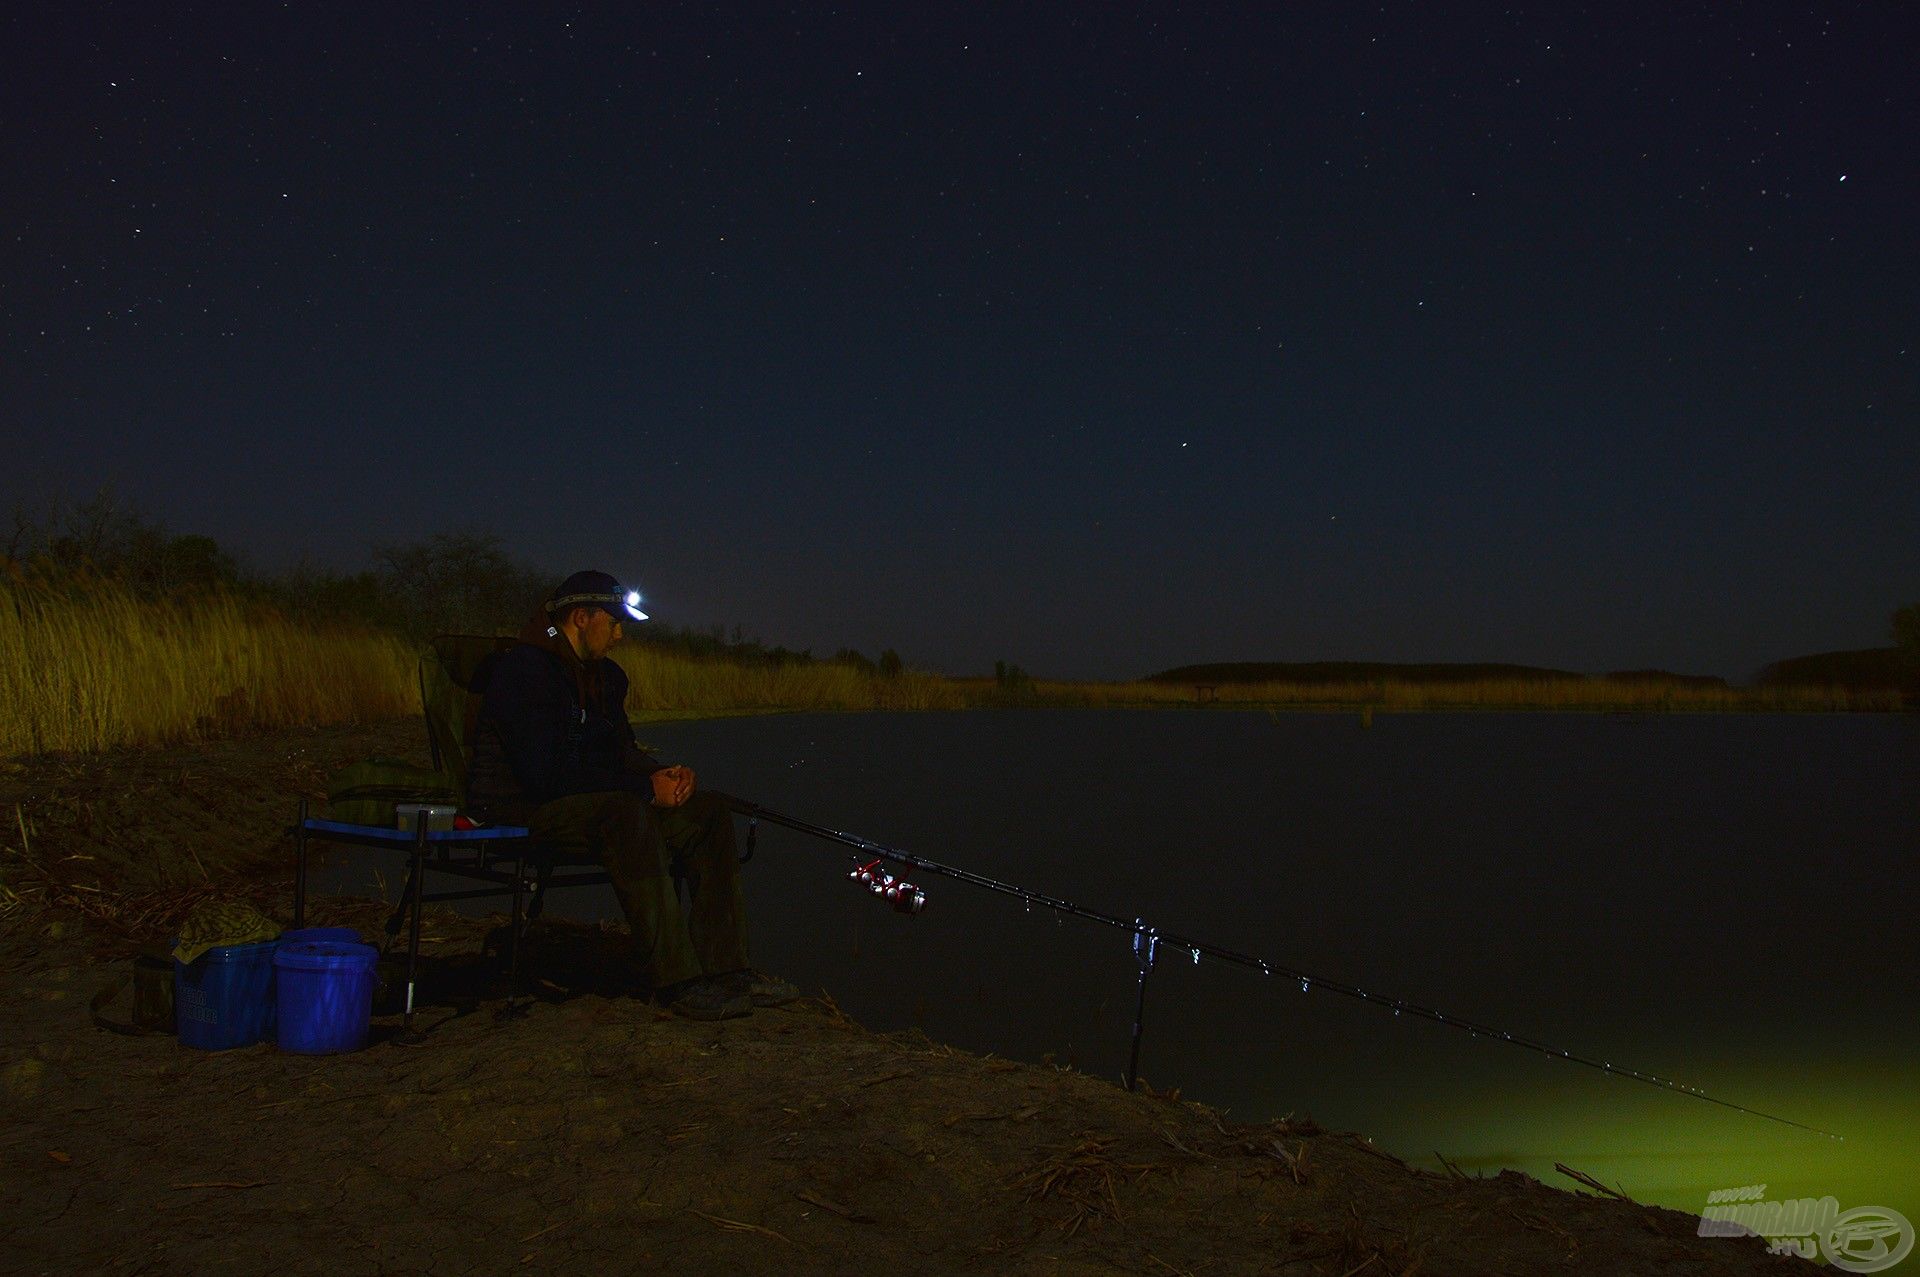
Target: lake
(1721, 900)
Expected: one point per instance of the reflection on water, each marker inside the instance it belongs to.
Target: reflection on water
(1719, 900)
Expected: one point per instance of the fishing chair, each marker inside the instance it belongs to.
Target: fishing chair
(453, 678)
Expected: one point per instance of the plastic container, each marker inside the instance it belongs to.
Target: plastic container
(225, 997)
(331, 935)
(326, 996)
(439, 816)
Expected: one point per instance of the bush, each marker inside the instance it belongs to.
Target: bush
(102, 538)
(1906, 637)
(1906, 630)
(854, 660)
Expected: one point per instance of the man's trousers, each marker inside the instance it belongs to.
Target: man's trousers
(642, 847)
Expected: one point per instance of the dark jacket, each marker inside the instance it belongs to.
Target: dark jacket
(551, 725)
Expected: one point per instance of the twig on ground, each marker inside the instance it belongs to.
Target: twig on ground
(1084, 1176)
(845, 1212)
(1019, 1115)
(1590, 1182)
(1295, 1162)
(741, 1226)
(1365, 1146)
(1541, 1224)
(826, 1003)
(1174, 1143)
(685, 1081)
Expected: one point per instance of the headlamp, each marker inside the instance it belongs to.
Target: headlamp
(613, 602)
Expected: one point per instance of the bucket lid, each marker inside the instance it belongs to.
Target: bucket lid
(326, 955)
(338, 935)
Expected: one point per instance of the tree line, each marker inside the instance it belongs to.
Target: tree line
(448, 582)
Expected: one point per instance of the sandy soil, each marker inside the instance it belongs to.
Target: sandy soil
(597, 1133)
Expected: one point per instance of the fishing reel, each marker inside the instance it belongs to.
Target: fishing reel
(903, 896)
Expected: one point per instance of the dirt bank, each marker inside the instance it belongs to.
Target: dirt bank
(598, 1134)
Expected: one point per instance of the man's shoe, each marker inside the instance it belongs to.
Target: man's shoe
(705, 999)
(758, 987)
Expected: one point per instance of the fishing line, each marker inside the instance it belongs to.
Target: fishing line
(1149, 942)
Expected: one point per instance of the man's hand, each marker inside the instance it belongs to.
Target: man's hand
(672, 786)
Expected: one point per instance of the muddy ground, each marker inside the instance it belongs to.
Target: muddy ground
(597, 1133)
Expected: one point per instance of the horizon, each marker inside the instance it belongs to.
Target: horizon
(123, 521)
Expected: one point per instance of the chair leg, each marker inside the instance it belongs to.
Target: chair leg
(407, 1033)
(300, 869)
(513, 942)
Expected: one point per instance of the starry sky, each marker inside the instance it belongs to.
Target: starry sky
(1099, 338)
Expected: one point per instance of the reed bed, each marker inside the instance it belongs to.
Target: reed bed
(92, 665)
(659, 682)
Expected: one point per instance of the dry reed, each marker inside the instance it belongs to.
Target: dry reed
(103, 667)
(661, 682)
(92, 665)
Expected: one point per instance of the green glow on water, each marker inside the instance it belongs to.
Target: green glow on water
(1673, 1151)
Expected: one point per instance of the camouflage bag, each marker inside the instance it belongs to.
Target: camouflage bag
(366, 792)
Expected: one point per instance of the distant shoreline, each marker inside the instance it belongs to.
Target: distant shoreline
(1604, 694)
(1877, 669)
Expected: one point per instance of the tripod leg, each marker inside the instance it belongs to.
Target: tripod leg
(414, 876)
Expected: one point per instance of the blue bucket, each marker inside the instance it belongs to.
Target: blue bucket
(337, 935)
(224, 997)
(326, 996)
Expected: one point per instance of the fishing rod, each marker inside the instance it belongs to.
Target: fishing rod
(1149, 940)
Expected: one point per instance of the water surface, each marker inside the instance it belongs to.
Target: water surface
(1723, 900)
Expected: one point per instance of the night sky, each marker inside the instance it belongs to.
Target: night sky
(1097, 338)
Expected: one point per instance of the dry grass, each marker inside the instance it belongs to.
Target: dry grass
(92, 666)
(659, 683)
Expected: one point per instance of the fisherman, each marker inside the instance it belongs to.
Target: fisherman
(553, 751)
